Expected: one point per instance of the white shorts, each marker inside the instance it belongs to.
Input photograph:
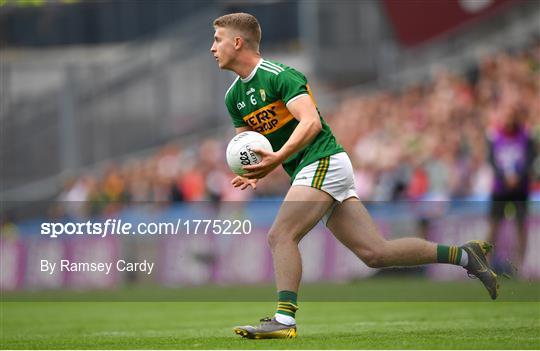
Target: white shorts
(333, 175)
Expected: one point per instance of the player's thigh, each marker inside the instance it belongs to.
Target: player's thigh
(300, 211)
(351, 224)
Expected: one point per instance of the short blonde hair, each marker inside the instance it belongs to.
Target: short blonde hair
(246, 24)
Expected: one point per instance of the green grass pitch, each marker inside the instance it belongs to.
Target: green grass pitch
(505, 324)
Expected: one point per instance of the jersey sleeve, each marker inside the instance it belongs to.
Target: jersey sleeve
(233, 112)
(290, 84)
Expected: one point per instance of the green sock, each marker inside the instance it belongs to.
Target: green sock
(287, 304)
(449, 254)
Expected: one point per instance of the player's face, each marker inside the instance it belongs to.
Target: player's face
(223, 47)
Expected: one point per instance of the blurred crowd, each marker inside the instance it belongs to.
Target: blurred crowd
(429, 140)
(426, 141)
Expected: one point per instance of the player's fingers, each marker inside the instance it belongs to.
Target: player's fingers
(252, 168)
(262, 152)
(240, 181)
(244, 186)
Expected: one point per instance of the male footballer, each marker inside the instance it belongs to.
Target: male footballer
(276, 101)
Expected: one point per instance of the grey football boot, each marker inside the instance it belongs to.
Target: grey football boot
(267, 329)
(479, 267)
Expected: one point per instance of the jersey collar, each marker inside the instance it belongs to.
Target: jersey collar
(248, 78)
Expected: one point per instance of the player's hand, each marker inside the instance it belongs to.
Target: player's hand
(270, 160)
(243, 183)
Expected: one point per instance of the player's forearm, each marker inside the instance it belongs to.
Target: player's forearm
(302, 135)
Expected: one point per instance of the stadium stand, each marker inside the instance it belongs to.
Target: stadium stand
(423, 142)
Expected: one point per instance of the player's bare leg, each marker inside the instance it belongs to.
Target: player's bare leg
(302, 208)
(352, 225)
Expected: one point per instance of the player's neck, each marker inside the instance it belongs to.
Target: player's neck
(245, 65)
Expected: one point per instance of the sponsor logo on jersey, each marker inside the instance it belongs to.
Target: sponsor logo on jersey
(269, 118)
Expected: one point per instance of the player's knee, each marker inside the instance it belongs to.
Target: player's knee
(275, 238)
(373, 257)
(272, 239)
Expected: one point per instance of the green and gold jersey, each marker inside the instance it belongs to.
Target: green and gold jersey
(260, 102)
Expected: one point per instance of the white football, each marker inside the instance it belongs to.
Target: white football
(240, 150)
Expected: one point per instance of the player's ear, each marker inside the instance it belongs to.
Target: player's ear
(238, 42)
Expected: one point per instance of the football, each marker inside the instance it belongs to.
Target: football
(240, 150)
